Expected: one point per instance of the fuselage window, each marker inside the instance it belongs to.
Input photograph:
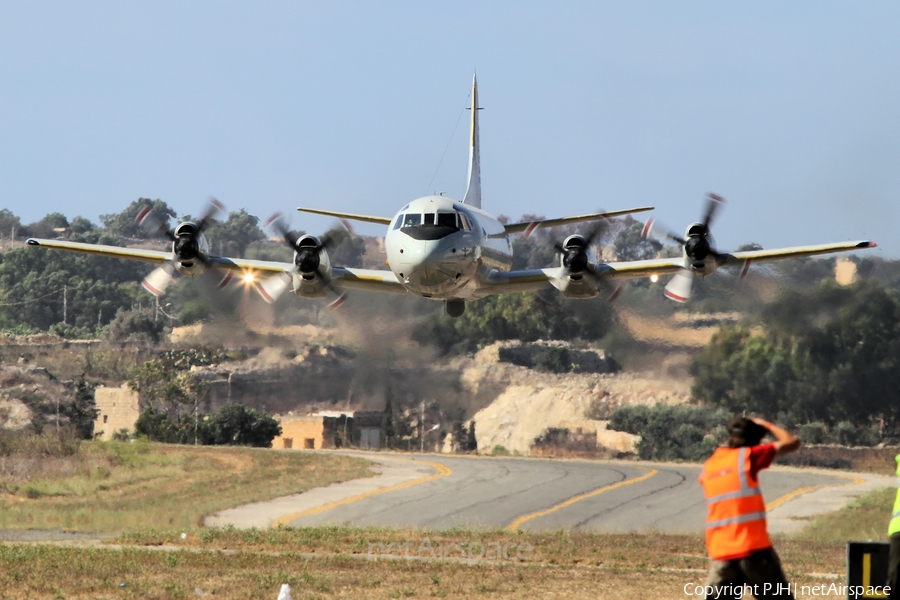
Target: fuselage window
(429, 218)
(412, 220)
(446, 220)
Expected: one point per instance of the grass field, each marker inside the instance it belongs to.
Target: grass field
(151, 494)
(339, 562)
(113, 487)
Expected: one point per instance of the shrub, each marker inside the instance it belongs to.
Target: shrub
(813, 433)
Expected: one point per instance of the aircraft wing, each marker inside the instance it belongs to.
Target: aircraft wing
(351, 216)
(749, 256)
(372, 280)
(530, 226)
(150, 256)
(160, 257)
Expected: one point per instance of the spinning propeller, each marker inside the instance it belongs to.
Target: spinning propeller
(308, 252)
(188, 244)
(700, 256)
(576, 262)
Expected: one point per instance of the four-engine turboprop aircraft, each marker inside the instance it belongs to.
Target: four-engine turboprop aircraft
(456, 252)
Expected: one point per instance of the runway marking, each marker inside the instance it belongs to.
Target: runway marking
(800, 491)
(525, 518)
(442, 471)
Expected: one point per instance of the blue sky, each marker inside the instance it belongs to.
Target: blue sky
(788, 110)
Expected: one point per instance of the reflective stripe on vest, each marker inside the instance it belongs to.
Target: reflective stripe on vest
(736, 519)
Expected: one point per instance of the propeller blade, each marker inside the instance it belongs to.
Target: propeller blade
(213, 209)
(154, 223)
(655, 229)
(679, 287)
(713, 203)
(336, 303)
(276, 223)
(272, 287)
(156, 282)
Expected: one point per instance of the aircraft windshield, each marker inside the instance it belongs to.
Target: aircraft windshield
(430, 226)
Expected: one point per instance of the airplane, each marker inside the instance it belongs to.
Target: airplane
(455, 252)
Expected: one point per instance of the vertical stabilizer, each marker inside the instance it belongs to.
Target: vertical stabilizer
(473, 191)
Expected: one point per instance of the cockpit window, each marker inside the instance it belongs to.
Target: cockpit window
(398, 222)
(446, 220)
(464, 221)
(429, 219)
(412, 220)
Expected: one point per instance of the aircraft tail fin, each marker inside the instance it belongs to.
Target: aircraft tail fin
(473, 191)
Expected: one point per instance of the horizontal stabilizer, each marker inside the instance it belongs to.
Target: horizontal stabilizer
(351, 216)
(529, 226)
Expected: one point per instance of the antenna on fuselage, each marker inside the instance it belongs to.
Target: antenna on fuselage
(473, 190)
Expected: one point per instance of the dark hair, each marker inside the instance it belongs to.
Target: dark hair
(744, 432)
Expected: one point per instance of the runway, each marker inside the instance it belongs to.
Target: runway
(443, 492)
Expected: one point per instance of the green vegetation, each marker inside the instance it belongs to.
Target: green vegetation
(672, 432)
(828, 355)
(59, 482)
(865, 518)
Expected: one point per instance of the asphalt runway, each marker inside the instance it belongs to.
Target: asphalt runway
(442, 492)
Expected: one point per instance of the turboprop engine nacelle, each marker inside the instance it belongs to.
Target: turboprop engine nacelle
(699, 249)
(579, 281)
(313, 268)
(190, 249)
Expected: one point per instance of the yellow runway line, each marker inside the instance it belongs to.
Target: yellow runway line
(525, 518)
(800, 491)
(791, 495)
(442, 471)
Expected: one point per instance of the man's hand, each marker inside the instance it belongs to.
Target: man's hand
(785, 442)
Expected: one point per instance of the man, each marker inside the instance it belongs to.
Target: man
(894, 533)
(737, 540)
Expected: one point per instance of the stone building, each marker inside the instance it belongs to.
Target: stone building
(330, 429)
(119, 409)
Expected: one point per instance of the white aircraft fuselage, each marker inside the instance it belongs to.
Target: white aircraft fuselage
(440, 248)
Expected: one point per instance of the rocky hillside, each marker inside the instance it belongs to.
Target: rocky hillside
(528, 402)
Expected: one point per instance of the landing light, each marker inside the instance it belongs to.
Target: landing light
(248, 277)
(654, 278)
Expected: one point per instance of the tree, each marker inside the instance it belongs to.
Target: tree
(82, 410)
(48, 226)
(134, 325)
(124, 224)
(43, 287)
(9, 223)
(155, 424)
(80, 225)
(232, 236)
(237, 425)
(388, 431)
(471, 441)
(631, 245)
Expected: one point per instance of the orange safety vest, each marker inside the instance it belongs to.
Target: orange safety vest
(736, 517)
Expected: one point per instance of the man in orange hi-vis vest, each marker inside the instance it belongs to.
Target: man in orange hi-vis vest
(737, 541)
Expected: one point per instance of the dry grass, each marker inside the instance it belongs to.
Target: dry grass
(115, 486)
(254, 564)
